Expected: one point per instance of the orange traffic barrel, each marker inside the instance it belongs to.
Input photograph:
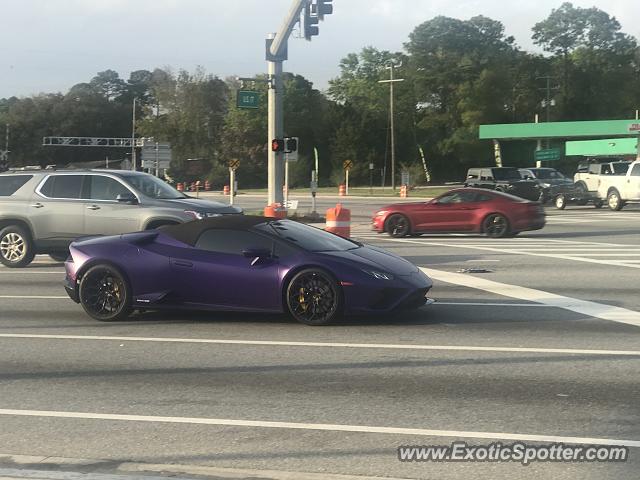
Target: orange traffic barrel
(226, 190)
(207, 185)
(275, 210)
(404, 191)
(342, 190)
(180, 187)
(339, 221)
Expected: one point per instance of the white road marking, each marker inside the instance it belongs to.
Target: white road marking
(514, 251)
(592, 309)
(35, 297)
(487, 304)
(33, 272)
(275, 343)
(422, 432)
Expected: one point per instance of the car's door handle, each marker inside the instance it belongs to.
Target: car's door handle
(182, 263)
(93, 207)
(37, 205)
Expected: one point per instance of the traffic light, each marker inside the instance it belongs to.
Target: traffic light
(322, 8)
(311, 28)
(291, 145)
(277, 145)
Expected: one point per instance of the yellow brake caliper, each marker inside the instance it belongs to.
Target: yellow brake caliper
(301, 300)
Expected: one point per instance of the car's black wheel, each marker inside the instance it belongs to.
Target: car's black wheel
(59, 256)
(561, 202)
(16, 247)
(614, 201)
(105, 294)
(398, 226)
(314, 298)
(598, 204)
(496, 226)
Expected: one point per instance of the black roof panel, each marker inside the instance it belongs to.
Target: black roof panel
(190, 232)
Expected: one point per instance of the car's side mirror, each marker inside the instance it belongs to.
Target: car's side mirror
(257, 254)
(127, 198)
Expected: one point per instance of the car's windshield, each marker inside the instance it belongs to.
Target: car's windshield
(309, 238)
(152, 187)
(544, 174)
(506, 174)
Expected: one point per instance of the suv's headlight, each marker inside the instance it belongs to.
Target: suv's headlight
(379, 275)
(546, 185)
(195, 215)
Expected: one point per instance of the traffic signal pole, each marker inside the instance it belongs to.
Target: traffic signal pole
(276, 56)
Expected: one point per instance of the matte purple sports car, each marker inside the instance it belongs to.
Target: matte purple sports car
(240, 263)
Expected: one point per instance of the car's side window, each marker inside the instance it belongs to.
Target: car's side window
(63, 186)
(105, 188)
(635, 172)
(482, 197)
(232, 242)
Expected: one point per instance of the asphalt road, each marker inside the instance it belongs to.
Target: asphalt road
(544, 344)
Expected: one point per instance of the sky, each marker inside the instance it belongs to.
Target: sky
(50, 45)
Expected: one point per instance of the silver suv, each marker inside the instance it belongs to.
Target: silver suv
(43, 211)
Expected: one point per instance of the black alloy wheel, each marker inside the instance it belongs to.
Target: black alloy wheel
(398, 226)
(313, 298)
(105, 294)
(496, 226)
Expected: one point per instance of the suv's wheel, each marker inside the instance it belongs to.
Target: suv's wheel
(582, 193)
(398, 226)
(16, 247)
(496, 226)
(105, 294)
(313, 297)
(614, 201)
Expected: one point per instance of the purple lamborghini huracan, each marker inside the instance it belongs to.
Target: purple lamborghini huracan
(240, 263)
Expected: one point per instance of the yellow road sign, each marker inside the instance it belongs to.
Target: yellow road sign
(348, 164)
(234, 164)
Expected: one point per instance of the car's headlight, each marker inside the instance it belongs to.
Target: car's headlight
(381, 213)
(379, 275)
(546, 185)
(195, 215)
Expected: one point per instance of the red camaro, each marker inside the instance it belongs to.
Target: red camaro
(468, 210)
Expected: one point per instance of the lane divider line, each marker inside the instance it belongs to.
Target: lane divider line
(282, 343)
(584, 307)
(421, 432)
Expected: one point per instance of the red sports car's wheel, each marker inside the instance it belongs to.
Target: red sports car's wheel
(104, 294)
(496, 226)
(398, 226)
(313, 298)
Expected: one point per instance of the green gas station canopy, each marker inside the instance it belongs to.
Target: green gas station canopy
(565, 130)
(608, 147)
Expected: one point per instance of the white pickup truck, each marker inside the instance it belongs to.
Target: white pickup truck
(618, 190)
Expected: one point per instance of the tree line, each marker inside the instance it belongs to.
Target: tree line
(458, 74)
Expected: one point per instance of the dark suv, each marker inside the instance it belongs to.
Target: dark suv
(503, 179)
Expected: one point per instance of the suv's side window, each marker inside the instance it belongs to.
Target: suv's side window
(487, 174)
(635, 172)
(63, 186)
(232, 242)
(105, 188)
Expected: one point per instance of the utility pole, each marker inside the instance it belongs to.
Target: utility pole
(392, 80)
(276, 55)
(549, 102)
(133, 137)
